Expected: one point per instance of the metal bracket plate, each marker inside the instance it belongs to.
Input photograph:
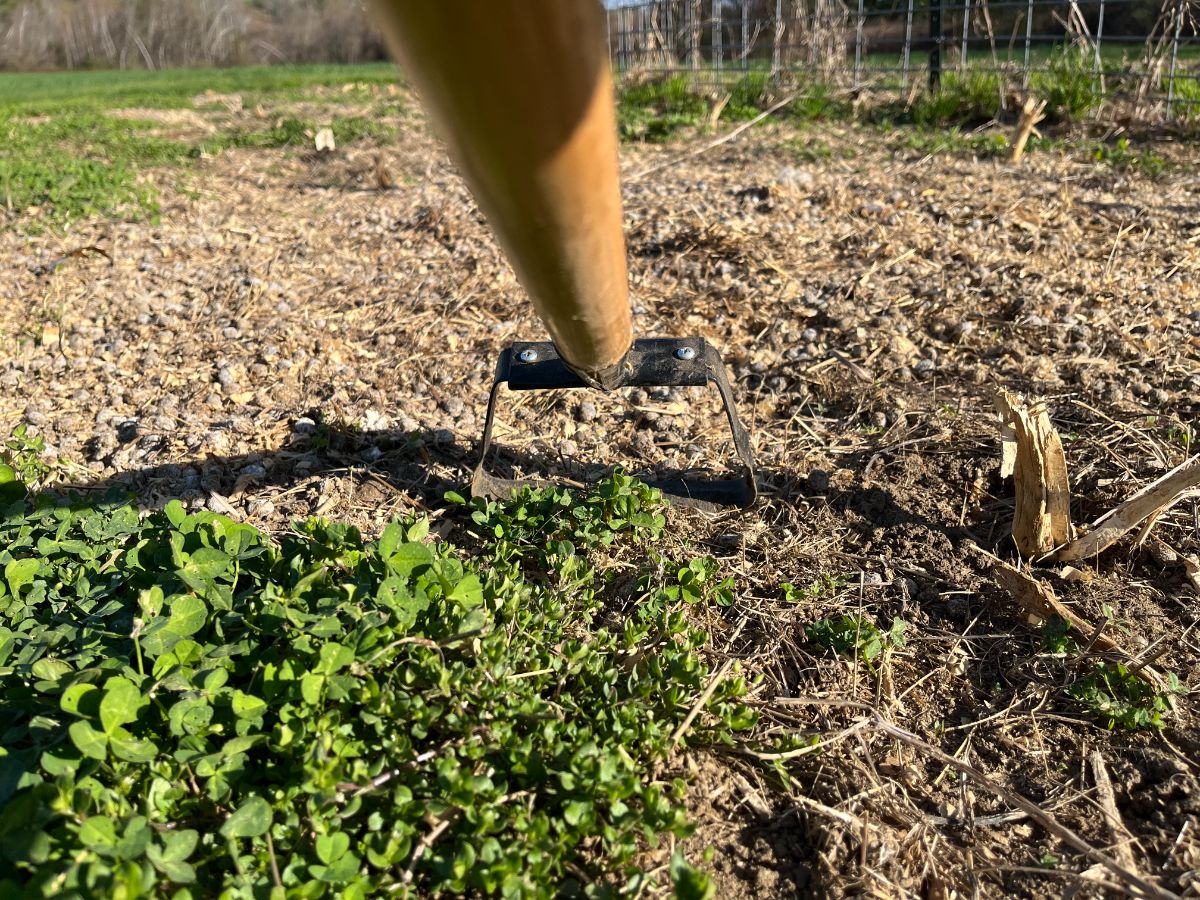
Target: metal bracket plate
(650, 362)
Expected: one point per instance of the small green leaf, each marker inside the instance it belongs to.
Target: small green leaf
(576, 811)
(246, 706)
(188, 615)
(90, 742)
(251, 819)
(331, 847)
(98, 833)
(19, 573)
(74, 696)
(333, 657)
(50, 669)
(120, 703)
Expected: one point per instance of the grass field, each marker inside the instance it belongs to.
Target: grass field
(80, 144)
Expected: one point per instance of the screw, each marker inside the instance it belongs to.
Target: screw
(527, 355)
(685, 353)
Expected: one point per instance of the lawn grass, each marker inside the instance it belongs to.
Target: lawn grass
(69, 158)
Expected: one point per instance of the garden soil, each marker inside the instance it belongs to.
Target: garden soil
(315, 334)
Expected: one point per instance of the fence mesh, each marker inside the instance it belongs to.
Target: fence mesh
(1143, 54)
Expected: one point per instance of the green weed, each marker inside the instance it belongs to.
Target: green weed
(966, 99)
(191, 705)
(1120, 155)
(654, 111)
(21, 457)
(1109, 693)
(1068, 84)
(855, 637)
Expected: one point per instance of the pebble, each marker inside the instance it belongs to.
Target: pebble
(254, 470)
(586, 411)
(127, 430)
(872, 579)
(818, 481)
(924, 368)
(879, 419)
(304, 425)
(567, 447)
(454, 406)
(808, 335)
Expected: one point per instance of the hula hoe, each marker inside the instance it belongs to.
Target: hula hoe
(522, 93)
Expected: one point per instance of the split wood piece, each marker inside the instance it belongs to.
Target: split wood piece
(1032, 452)
(522, 93)
(1037, 598)
(1032, 112)
(1150, 501)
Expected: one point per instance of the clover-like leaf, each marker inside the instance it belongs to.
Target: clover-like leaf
(89, 740)
(120, 703)
(19, 573)
(251, 819)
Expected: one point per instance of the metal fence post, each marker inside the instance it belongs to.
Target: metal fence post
(907, 43)
(718, 43)
(1174, 56)
(1028, 41)
(858, 46)
(778, 38)
(745, 35)
(935, 48)
(1099, 38)
(962, 56)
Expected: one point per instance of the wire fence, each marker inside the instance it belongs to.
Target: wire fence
(1143, 54)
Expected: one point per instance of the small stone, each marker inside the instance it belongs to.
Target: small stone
(879, 419)
(586, 411)
(872, 579)
(818, 481)
(127, 430)
(226, 377)
(304, 425)
(254, 471)
(808, 335)
(924, 368)
(230, 333)
(454, 406)
(567, 447)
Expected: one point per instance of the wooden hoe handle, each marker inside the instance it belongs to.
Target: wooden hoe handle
(521, 91)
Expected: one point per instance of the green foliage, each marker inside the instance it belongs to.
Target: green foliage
(952, 140)
(825, 585)
(66, 158)
(1117, 698)
(748, 96)
(1109, 693)
(74, 166)
(817, 102)
(970, 98)
(292, 132)
(21, 456)
(856, 637)
(1068, 84)
(654, 111)
(1120, 155)
(191, 708)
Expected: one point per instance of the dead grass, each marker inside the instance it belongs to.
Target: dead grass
(292, 339)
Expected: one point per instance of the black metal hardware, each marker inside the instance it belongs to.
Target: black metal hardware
(650, 362)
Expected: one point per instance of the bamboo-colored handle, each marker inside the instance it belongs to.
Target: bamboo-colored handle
(522, 93)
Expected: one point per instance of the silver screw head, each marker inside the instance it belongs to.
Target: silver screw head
(685, 353)
(527, 355)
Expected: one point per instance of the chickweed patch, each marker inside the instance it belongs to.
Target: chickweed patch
(855, 637)
(194, 708)
(1109, 693)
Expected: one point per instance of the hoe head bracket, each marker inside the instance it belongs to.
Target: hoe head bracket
(650, 362)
